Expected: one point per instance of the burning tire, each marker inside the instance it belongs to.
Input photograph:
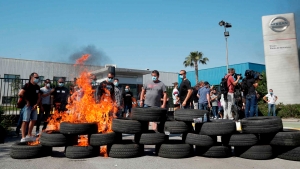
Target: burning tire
(218, 128)
(177, 127)
(214, 151)
(189, 114)
(286, 139)
(78, 128)
(200, 140)
(56, 139)
(149, 114)
(261, 125)
(126, 149)
(76, 152)
(240, 140)
(150, 138)
(257, 152)
(127, 126)
(24, 151)
(174, 149)
(101, 139)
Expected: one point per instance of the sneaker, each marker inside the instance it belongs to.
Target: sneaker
(216, 118)
(37, 133)
(30, 138)
(23, 140)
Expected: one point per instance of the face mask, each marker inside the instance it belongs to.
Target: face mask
(116, 83)
(109, 79)
(48, 85)
(126, 90)
(181, 76)
(36, 81)
(154, 78)
(60, 84)
(271, 93)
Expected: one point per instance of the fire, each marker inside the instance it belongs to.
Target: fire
(34, 143)
(82, 107)
(83, 140)
(103, 151)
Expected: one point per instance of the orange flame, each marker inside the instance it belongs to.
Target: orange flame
(34, 143)
(103, 151)
(83, 140)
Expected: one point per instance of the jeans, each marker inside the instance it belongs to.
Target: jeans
(256, 110)
(20, 121)
(271, 109)
(227, 107)
(129, 108)
(250, 108)
(43, 117)
(215, 110)
(203, 106)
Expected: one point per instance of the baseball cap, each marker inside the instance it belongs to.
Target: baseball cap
(206, 83)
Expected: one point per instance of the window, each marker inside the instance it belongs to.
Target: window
(56, 78)
(10, 77)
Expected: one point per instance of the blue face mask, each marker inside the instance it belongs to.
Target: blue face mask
(154, 78)
(116, 83)
(271, 93)
(36, 81)
(126, 90)
(60, 84)
(110, 79)
(181, 76)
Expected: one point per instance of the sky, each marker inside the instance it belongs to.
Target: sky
(137, 34)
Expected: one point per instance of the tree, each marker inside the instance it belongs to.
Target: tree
(262, 88)
(193, 59)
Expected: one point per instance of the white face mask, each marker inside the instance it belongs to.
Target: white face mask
(48, 85)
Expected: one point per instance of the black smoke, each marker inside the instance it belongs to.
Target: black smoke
(97, 57)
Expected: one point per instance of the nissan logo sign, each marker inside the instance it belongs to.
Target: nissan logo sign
(279, 24)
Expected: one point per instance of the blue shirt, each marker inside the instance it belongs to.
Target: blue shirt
(203, 91)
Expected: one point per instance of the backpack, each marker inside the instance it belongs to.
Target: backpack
(244, 86)
(224, 87)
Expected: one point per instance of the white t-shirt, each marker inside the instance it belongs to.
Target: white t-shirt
(271, 99)
(175, 93)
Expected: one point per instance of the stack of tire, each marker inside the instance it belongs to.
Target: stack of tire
(138, 125)
(181, 124)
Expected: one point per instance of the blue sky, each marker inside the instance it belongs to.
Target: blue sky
(154, 34)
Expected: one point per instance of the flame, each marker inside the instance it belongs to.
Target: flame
(83, 140)
(82, 107)
(34, 143)
(103, 151)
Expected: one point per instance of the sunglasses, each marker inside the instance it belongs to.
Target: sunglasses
(37, 77)
(110, 77)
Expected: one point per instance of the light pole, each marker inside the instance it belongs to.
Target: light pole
(226, 34)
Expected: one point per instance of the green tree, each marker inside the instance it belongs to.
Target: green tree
(262, 88)
(193, 59)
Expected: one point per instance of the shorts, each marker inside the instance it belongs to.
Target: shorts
(29, 114)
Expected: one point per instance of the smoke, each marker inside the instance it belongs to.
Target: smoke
(97, 57)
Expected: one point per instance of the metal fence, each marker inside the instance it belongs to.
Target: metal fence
(9, 90)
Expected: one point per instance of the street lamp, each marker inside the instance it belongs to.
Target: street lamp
(226, 35)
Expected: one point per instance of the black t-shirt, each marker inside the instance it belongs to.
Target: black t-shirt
(185, 85)
(106, 85)
(127, 96)
(194, 95)
(61, 95)
(31, 93)
(251, 89)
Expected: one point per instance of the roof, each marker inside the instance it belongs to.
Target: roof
(124, 71)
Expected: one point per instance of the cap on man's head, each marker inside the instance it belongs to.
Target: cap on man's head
(206, 83)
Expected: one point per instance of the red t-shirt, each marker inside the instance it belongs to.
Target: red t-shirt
(230, 85)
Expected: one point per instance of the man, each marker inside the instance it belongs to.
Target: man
(107, 84)
(46, 106)
(175, 94)
(214, 102)
(31, 93)
(185, 91)
(251, 96)
(94, 84)
(204, 96)
(127, 101)
(118, 96)
(230, 96)
(61, 94)
(155, 90)
(195, 97)
(271, 99)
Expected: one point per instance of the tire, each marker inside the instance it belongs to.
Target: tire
(149, 114)
(150, 138)
(78, 128)
(288, 153)
(23, 151)
(261, 125)
(189, 114)
(200, 140)
(257, 152)
(218, 128)
(46, 151)
(286, 139)
(240, 140)
(122, 125)
(177, 127)
(126, 149)
(174, 149)
(214, 151)
(101, 139)
(54, 139)
(76, 152)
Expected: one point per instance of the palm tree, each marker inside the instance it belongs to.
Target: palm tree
(193, 59)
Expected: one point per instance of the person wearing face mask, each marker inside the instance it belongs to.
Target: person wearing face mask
(31, 93)
(60, 95)
(127, 101)
(46, 106)
(118, 96)
(109, 85)
(185, 91)
(270, 98)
